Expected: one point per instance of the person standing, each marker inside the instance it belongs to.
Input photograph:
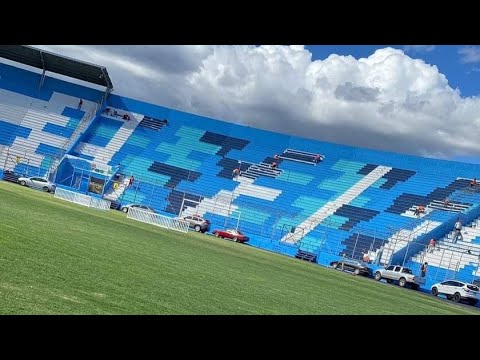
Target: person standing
(423, 269)
(458, 231)
(366, 256)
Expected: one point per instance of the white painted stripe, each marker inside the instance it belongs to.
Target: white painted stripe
(88, 149)
(221, 203)
(330, 207)
(104, 155)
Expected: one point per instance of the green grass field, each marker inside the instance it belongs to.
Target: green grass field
(61, 258)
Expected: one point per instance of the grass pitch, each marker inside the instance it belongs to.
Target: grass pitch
(62, 258)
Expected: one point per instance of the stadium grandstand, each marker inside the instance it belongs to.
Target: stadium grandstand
(290, 195)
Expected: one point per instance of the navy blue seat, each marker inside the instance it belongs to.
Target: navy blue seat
(176, 174)
(305, 255)
(295, 156)
(10, 176)
(405, 201)
(226, 142)
(151, 123)
(175, 199)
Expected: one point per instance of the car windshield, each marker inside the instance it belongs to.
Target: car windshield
(353, 262)
(472, 287)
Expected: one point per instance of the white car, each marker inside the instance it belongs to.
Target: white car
(457, 290)
(37, 182)
(137, 206)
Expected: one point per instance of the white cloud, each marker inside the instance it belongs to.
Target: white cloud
(470, 54)
(387, 101)
(419, 48)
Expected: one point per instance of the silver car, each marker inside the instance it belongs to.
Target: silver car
(37, 182)
(137, 206)
(196, 223)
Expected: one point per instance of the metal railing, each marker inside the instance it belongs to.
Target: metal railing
(157, 220)
(81, 199)
(78, 130)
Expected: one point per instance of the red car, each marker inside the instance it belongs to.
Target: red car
(235, 235)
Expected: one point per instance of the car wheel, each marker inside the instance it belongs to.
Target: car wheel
(197, 228)
(389, 281)
(125, 210)
(402, 282)
(457, 297)
(23, 183)
(46, 189)
(356, 272)
(434, 291)
(235, 239)
(378, 276)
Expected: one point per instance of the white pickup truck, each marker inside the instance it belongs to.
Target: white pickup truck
(403, 275)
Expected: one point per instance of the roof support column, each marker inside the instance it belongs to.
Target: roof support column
(42, 79)
(105, 97)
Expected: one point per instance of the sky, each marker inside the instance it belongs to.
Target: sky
(415, 99)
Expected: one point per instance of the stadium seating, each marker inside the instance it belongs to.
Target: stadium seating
(453, 259)
(353, 200)
(37, 125)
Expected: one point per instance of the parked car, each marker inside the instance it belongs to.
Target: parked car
(233, 234)
(37, 182)
(137, 206)
(196, 223)
(355, 266)
(457, 291)
(403, 275)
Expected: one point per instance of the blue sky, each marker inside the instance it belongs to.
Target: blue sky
(460, 63)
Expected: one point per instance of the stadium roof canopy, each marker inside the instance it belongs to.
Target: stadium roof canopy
(59, 64)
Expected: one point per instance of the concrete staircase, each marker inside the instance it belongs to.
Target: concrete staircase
(455, 256)
(401, 238)
(115, 194)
